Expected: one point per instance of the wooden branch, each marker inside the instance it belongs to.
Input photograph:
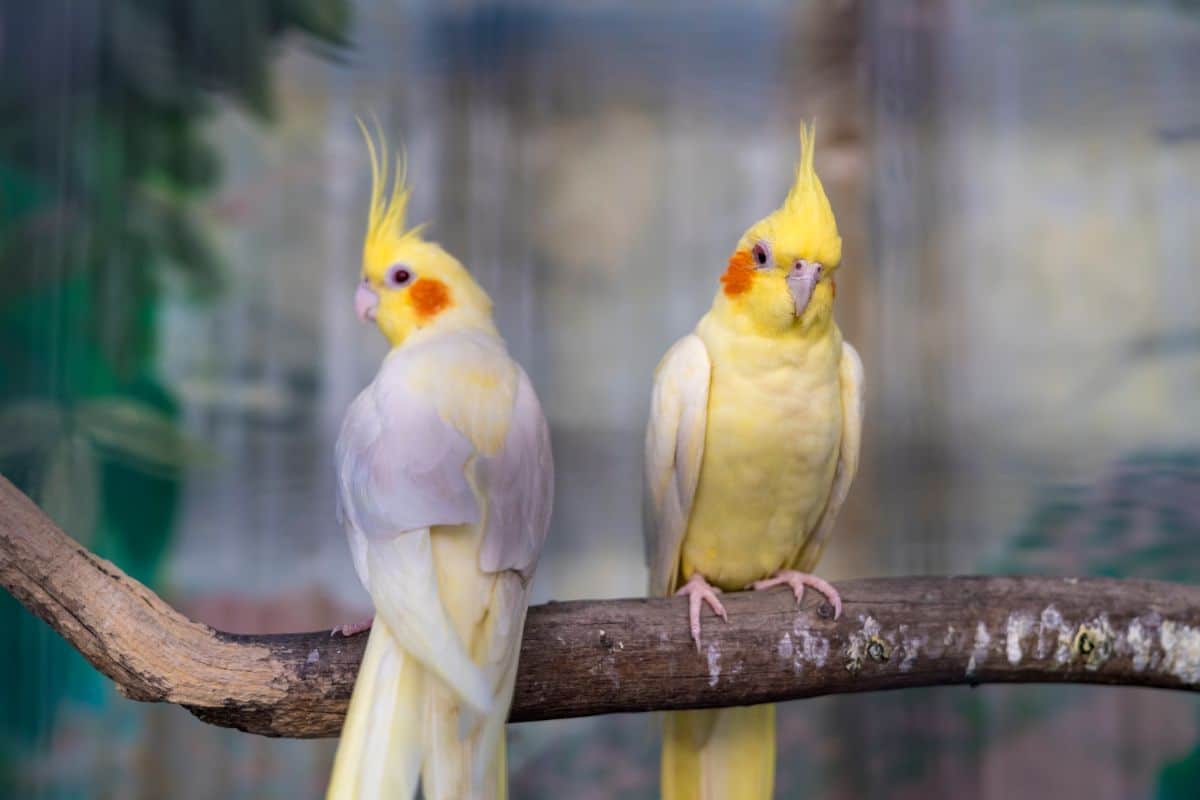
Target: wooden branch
(583, 658)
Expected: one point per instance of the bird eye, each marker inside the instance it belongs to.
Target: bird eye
(760, 254)
(399, 275)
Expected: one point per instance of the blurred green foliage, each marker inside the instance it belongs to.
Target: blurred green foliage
(103, 164)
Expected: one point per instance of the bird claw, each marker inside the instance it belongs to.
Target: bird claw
(351, 628)
(798, 580)
(699, 590)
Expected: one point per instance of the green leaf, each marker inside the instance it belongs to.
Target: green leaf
(139, 433)
(70, 487)
(29, 425)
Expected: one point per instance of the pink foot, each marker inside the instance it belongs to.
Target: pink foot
(351, 628)
(697, 589)
(798, 580)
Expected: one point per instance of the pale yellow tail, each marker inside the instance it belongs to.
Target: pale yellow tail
(404, 725)
(465, 753)
(379, 755)
(719, 754)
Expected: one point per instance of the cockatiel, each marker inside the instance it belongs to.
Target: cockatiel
(751, 446)
(445, 483)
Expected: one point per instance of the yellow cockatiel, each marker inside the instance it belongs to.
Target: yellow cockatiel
(445, 485)
(752, 443)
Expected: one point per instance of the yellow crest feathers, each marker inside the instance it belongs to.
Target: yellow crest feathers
(389, 205)
(806, 175)
(806, 217)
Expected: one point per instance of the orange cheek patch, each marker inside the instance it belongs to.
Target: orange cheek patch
(738, 274)
(429, 297)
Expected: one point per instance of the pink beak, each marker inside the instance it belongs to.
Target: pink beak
(365, 302)
(801, 281)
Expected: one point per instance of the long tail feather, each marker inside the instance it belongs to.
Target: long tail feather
(722, 754)
(403, 581)
(466, 753)
(379, 755)
(422, 709)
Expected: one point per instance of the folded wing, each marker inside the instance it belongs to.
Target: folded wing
(418, 451)
(674, 450)
(520, 484)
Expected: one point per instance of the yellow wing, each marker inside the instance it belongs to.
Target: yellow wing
(850, 374)
(673, 454)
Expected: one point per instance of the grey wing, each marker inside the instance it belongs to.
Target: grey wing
(519, 485)
(850, 375)
(402, 470)
(674, 451)
(400, 466)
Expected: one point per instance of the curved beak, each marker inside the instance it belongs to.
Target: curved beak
(365, 302)
(801, 281)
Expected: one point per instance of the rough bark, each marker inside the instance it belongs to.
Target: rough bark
(598, 657)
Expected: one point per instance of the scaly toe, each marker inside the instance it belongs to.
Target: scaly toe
(694, 618)
(351, 628)
(835, 600)
(826, 588)
(769, 583)
(699, 592)
(717, 607)
(799, 580)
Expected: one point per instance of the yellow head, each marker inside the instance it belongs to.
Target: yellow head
(410, 284)
(780, 276)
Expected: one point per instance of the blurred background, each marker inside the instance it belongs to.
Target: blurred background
(182, 198)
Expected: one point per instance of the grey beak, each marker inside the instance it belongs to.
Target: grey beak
(801, 281)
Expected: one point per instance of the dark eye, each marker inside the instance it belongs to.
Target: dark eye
(759, 254)
(399, 275)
